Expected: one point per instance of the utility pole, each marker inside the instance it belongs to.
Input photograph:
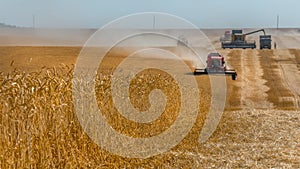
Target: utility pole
(33, 21)
(154, 22)
(277, 21)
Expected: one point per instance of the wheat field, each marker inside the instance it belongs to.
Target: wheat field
(39, 128)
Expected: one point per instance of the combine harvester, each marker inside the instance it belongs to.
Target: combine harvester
(238, 40)
(216, 65)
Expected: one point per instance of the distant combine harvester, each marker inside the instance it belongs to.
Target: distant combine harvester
(237, 39)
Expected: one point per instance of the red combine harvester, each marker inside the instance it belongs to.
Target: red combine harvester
(216, 65)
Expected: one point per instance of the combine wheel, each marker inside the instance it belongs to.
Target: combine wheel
(233, 77)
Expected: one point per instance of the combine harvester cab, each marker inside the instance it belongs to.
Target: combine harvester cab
(216, 65)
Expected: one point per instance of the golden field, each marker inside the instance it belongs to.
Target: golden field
(39, 128)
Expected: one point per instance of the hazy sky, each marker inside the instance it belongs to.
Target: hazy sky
(203, 13)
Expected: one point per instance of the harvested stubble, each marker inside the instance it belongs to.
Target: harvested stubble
(274, 82)
(39, 129)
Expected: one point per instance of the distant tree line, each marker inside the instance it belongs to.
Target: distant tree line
(3, 25)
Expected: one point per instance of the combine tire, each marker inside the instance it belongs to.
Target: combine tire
(233, 77)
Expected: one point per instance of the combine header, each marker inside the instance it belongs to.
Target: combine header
(216, 65)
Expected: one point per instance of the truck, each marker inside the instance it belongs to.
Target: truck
(226, 36)
(265, 41)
